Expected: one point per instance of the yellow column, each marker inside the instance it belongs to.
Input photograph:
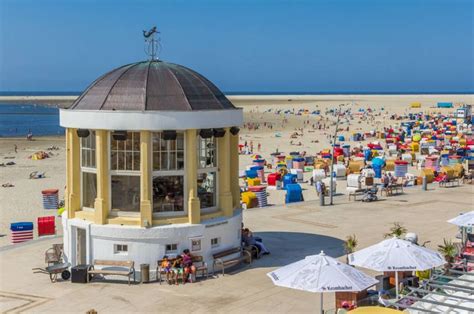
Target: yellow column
(223, 155)
(146, 211)
(102, 203)
(68, 169)
(194, 206)
(73, 173)
(234, 170)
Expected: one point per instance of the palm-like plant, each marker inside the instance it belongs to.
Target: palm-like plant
(350, 245)
(397, 230)
(449, 251)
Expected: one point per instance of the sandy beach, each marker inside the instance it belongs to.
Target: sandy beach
(23, 202)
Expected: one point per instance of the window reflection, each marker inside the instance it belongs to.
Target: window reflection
(168, 194)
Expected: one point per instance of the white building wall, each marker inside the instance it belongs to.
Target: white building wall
(147, 245)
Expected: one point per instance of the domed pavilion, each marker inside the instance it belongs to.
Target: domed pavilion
(152, 166)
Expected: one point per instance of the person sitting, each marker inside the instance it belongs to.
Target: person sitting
(166, 266)
(177, 268)
(250, 240)
(385, 180)
(189, 268)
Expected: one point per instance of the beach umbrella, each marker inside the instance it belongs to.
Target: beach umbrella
(256, 156)
(463, 220)
(396, 255)
(321, 274)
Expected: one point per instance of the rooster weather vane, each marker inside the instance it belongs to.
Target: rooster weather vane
(151, 43)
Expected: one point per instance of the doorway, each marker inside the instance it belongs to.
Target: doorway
(81, 249)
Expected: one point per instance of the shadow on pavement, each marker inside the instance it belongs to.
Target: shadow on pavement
(289, 247)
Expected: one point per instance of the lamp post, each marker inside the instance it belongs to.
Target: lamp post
(331, 193)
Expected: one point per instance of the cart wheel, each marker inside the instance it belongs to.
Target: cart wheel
(66, 274)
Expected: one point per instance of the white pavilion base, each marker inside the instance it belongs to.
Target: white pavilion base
(85, 241)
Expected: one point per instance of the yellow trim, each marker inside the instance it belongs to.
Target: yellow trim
(194, 206)
(212, 215)
(73, 173)
(102, 201)
(234, 170)
(170, 221)
(81, 214)
(225, 196)
(129, 221)
(146, 211)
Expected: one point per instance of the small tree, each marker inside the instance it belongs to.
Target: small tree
(350, 245)
(449, 251)
(397, 230)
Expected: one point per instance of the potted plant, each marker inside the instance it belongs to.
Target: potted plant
(397, 230)
(449, 251)
(349, 246)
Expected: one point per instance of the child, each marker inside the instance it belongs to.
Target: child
(166, 266)
(178, 268)
(189, 268)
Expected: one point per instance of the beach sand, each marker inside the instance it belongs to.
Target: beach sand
(23, 202)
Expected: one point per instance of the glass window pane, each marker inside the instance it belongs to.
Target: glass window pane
(180, 160)
(136, 161)
(136, 141)
(168, 194)
(164, 161)
(128, 161)
(126, 193)
(120, 161)
(89, 189)
(113, 161)
(206, 183)
(172, 145)
(156, 161)
(129, 141)
(180, 141)
(172, 161)
(92, 158)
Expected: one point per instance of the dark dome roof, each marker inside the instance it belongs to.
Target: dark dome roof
(151, 86)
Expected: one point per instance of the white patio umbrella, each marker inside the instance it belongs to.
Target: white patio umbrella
(321, 273)
(463, 220)
(396, 255)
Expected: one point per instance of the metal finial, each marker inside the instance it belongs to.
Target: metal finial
(152, 43)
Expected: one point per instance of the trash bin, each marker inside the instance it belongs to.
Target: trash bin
(79, 273)
(145, 273)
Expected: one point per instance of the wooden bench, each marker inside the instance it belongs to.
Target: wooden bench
(54, 254)
(449, 182)
(201, 266)
(160, 271)
(118, 268)
(356, 193)
(222, 258)
(198, 262)
(392, 189)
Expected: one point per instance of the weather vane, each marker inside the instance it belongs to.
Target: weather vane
(151, 43)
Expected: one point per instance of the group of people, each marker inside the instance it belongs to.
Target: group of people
(180, 267)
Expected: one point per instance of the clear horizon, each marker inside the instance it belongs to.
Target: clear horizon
(246, 46)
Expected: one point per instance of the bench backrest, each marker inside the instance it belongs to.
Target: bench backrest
(102, 262)
(197, 259)
(227, 252)
(171, 260)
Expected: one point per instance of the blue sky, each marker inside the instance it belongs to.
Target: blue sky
(254, 45)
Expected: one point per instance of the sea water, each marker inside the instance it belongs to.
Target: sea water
(18, 120)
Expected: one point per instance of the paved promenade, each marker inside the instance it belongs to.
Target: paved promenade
(290, 232)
